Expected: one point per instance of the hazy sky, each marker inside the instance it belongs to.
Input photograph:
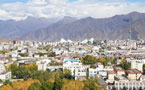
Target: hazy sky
(20, 9)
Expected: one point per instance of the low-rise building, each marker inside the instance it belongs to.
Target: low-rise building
(130, 85)
(133, 74)
(42, 64)
(119, 71)
(99, 70)
(76, 67)
(111, 75)
(137, 65)
(4, 75)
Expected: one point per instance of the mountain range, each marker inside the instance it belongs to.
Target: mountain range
(43, 29)
(15, 29)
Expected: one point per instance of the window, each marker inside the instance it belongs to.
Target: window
(123, 84)
(126, 83)
(116, 84)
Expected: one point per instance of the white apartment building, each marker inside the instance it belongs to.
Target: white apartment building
(42, 64)
(2, 68)
(137, 65)
(121, 81)
(129, 85)
(100, 70)
(119, 71)
(95, 71)
(76, 67)
(4, 75)
(142, 60)
(133, 74)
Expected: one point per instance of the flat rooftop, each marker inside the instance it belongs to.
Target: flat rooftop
(118, 69)
(121, 77)
(111, 72)
(72, 59)
(134, 71)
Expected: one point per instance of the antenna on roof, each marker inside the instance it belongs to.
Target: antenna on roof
(130, 38)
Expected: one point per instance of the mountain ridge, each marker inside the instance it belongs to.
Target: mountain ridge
(85, 28)
(42, 29)
(14, 29)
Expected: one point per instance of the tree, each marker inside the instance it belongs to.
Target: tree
(40, 54)
(59, 74)
(23, 72)
(4, 51)
(100, 50)
(6, 87)
(91, 84)
(7, 82)
(140, 88)
(13, 67)
(134, 88)
(93, 66)
(55, 63)
(113, 88)
(51, 54)
(19, 85)
(58, 84)
(104, 60)
(89, 59)
(50, 86)
(23, 85)
(143, 68)
(26, 54)
(47, 86)
(35, 86)
(124, 88)
(1, 81)
(67, 74)
(73, 85)
(125, 64)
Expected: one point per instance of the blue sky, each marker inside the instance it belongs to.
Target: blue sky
(24, 1)
(9, 9)
(12, 1)
(136, 0)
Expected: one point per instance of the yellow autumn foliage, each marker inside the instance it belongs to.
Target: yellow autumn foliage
(4, 51)
(29, 66)
(51, 78)
(20, 85)
(6, 87)
(65, 81)
(102, 59)
(73, 85)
